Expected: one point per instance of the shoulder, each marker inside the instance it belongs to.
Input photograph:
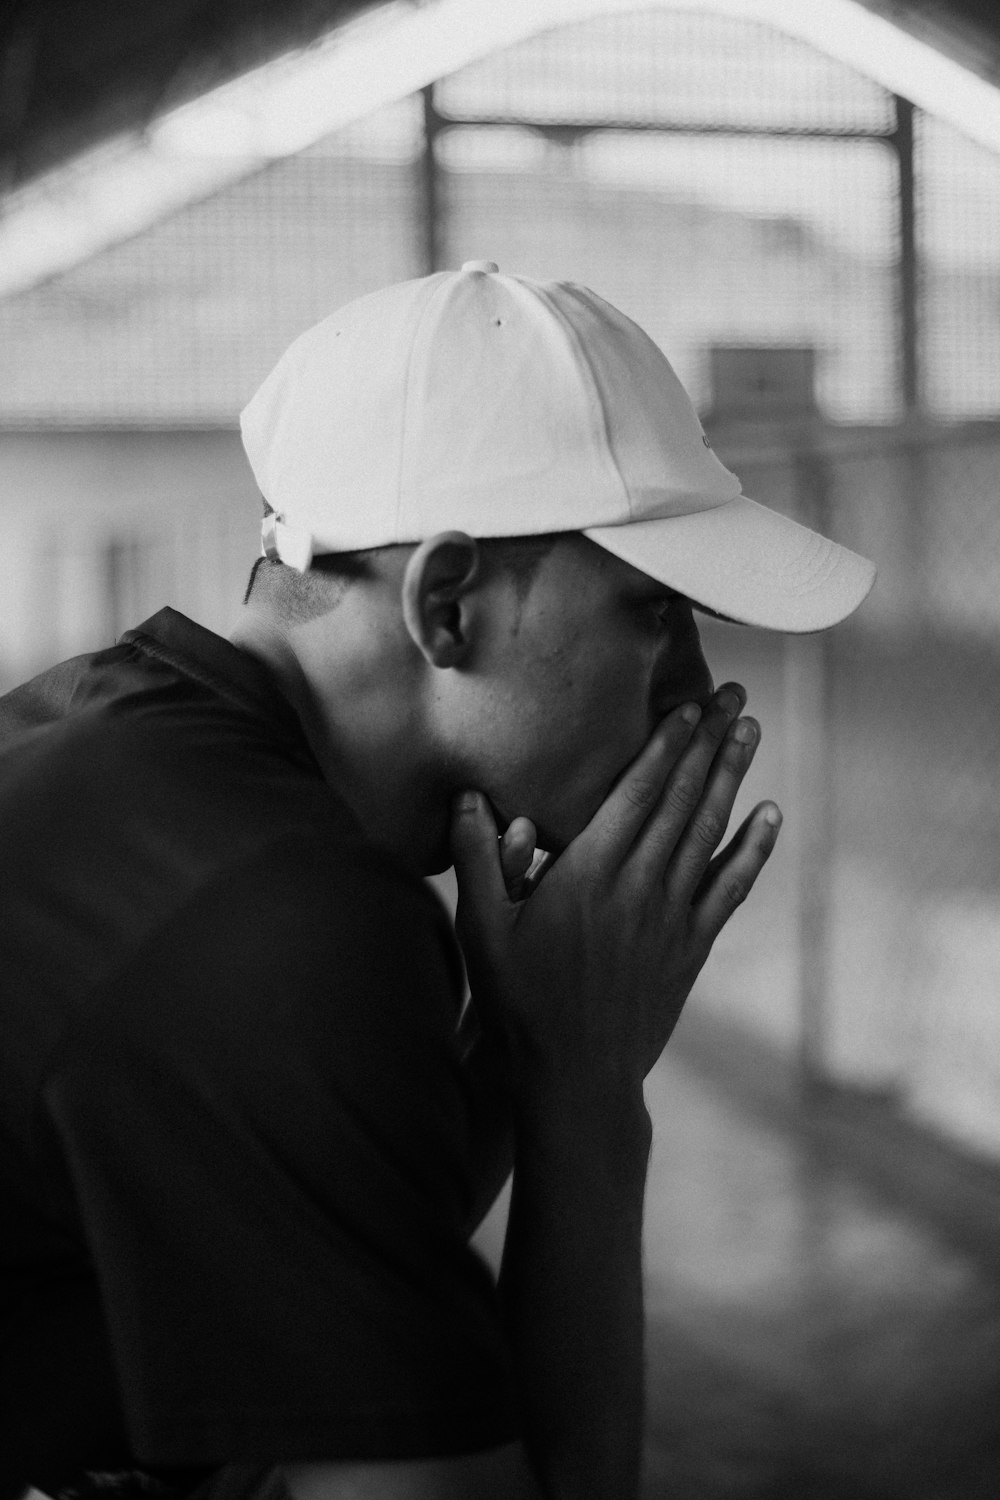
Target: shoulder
(306, 916)
(311, 962)
(306, 995)
(328, 900)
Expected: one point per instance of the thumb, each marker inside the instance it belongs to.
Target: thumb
(476, 853)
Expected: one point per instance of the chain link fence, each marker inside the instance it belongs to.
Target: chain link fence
(820, 263)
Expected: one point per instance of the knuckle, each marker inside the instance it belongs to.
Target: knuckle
(736, 889)
(708, 827)
(682, 795)
(641, 791)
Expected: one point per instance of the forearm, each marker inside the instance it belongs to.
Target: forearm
(571, 1288)
(584, 979)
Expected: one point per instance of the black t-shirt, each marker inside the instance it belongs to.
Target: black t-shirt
(234, 1129)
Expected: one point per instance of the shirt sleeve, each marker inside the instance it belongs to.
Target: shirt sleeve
(266, 1131)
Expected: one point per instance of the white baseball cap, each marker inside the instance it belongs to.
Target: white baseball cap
(502, 406)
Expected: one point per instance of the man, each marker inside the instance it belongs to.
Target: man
(245, 1133)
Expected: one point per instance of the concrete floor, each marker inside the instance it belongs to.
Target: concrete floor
(811, 1336)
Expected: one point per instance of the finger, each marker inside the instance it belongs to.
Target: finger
(517, 850)
(732, 874)
(717, 863)
(540, 865)
(708, 823)
(612, 830)
(520, 889)
(478, 872)
(684, 789)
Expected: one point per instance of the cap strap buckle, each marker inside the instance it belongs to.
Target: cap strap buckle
(283, 543)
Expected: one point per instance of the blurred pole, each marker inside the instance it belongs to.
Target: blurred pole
(430, 195)
(907, 299)
(917, 460)
(808, 694)
(914, 460)
(810, 661)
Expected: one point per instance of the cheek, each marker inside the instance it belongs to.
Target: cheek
(587, 701)
(562, 730)
(615, 690)
(594, 725)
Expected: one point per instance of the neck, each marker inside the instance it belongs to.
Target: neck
(359, 709)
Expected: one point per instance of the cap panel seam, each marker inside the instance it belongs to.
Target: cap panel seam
(443, 281)
(589, 382)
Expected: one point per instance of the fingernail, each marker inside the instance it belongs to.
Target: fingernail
(745, 732)
(730, 701)
(690, 713)
(772, 817)
(467, 802)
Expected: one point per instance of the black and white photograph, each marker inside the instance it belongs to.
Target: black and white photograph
(499, 750)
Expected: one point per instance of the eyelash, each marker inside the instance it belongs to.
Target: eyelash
(663, 606)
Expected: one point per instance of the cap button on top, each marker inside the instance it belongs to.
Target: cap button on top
(480, 265)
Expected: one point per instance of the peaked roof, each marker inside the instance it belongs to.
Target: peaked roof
(73, 72)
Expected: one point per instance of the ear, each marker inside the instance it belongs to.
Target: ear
(438, 579)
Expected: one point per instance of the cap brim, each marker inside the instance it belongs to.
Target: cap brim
(747, 562)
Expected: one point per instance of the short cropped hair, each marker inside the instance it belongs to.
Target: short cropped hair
(294, 598)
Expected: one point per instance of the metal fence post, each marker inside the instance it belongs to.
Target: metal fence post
(908, 290)
(430, 195)
(807, 668)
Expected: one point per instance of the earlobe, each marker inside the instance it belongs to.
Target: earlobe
(436, 583)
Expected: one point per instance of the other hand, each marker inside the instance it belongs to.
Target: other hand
(586, 978)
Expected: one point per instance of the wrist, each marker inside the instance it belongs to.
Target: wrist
(585, 1108)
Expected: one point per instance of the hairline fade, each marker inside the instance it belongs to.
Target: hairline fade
(295, 598)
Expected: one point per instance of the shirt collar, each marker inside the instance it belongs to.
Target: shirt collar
(218, 664)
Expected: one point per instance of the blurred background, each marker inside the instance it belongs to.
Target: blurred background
(801, 203)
